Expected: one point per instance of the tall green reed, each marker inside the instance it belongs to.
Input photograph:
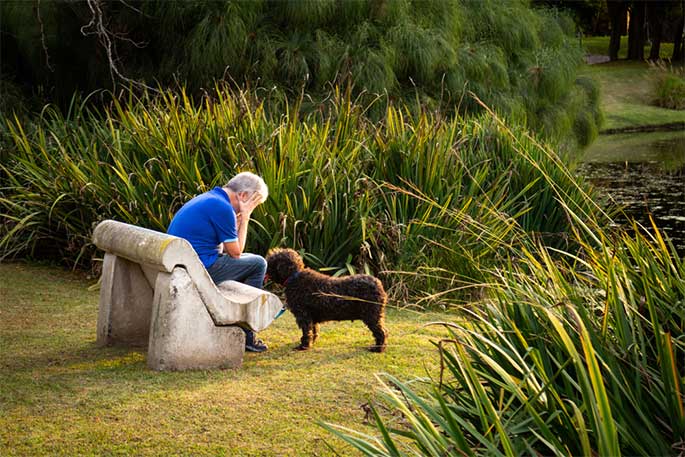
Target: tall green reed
(333, 176)
(571, 352)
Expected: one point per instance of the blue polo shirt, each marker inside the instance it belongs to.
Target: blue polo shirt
(206, 221)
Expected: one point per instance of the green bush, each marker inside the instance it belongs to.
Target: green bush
(578, 354)
(670, 92)
(669, 86)
(338, 181)
(512, 56)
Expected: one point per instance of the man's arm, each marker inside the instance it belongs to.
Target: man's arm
(236, 248)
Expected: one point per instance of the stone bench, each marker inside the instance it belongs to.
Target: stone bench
(156, 292)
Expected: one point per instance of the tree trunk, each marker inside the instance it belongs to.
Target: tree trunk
(655, 14)
(636, 31)
(678, 48)
(617, 15)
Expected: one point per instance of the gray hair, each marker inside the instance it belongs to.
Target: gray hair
(248, 182)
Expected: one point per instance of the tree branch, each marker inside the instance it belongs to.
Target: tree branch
(97, 27)
(42, 37)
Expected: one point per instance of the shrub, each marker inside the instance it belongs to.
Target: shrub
(669, 85)
(574, 355)
(514, 57)
(334, 177)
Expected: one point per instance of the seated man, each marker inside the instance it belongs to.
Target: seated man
(215, 223)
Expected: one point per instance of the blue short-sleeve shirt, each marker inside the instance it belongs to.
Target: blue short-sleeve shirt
(206, 221)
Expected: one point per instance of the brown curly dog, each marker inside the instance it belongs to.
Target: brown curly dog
(314, 298)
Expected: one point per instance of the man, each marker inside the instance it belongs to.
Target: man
(215, 223)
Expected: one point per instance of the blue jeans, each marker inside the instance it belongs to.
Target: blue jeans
(249, 269)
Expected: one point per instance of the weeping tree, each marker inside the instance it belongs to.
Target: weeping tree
(519, 60)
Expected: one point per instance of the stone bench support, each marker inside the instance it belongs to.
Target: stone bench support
(156, 292)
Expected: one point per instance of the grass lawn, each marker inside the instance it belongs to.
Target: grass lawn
(627, 93)
(599, 45)
(60, 394)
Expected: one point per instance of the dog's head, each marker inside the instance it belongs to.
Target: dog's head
(283, 263)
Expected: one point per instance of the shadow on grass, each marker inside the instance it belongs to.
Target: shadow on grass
(86, 357)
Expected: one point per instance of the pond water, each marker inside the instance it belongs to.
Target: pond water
(644, 173)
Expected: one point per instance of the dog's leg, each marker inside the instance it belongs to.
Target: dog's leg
(315, 332)
(306, 327)
(379, 333)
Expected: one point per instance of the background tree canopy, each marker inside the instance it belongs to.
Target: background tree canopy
(519, 60)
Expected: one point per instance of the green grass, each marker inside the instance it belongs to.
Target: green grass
(599, 45)
(60, 394)
(627, 96)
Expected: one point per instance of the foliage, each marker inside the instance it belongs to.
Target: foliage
(11, 98)
(589, 15)
(334, 177)
(669, 85)
(573, 353)
(519, 60)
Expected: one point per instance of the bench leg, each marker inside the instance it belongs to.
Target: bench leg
(125, 303)
(182, 333)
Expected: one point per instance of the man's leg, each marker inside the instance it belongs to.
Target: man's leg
(249, 269)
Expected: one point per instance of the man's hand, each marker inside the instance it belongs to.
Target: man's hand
(247, 206)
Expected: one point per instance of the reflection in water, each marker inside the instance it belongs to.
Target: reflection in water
(642, 187)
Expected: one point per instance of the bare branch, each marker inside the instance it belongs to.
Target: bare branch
(42, 37)
(97, 27)
(122, 37)
(133, 8)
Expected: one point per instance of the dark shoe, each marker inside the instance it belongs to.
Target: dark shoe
(256, 345)
(252, 343)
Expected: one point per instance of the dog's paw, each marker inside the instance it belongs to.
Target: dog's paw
(301, 348)
(377, 348)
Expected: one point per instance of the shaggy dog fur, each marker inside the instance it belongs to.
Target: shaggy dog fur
(314, 298)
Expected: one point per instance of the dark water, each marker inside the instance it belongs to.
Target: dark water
(644, 174)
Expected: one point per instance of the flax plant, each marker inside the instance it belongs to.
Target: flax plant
(571, 353)
(334, 177)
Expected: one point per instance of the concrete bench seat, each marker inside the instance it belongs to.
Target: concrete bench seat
(155, 291)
